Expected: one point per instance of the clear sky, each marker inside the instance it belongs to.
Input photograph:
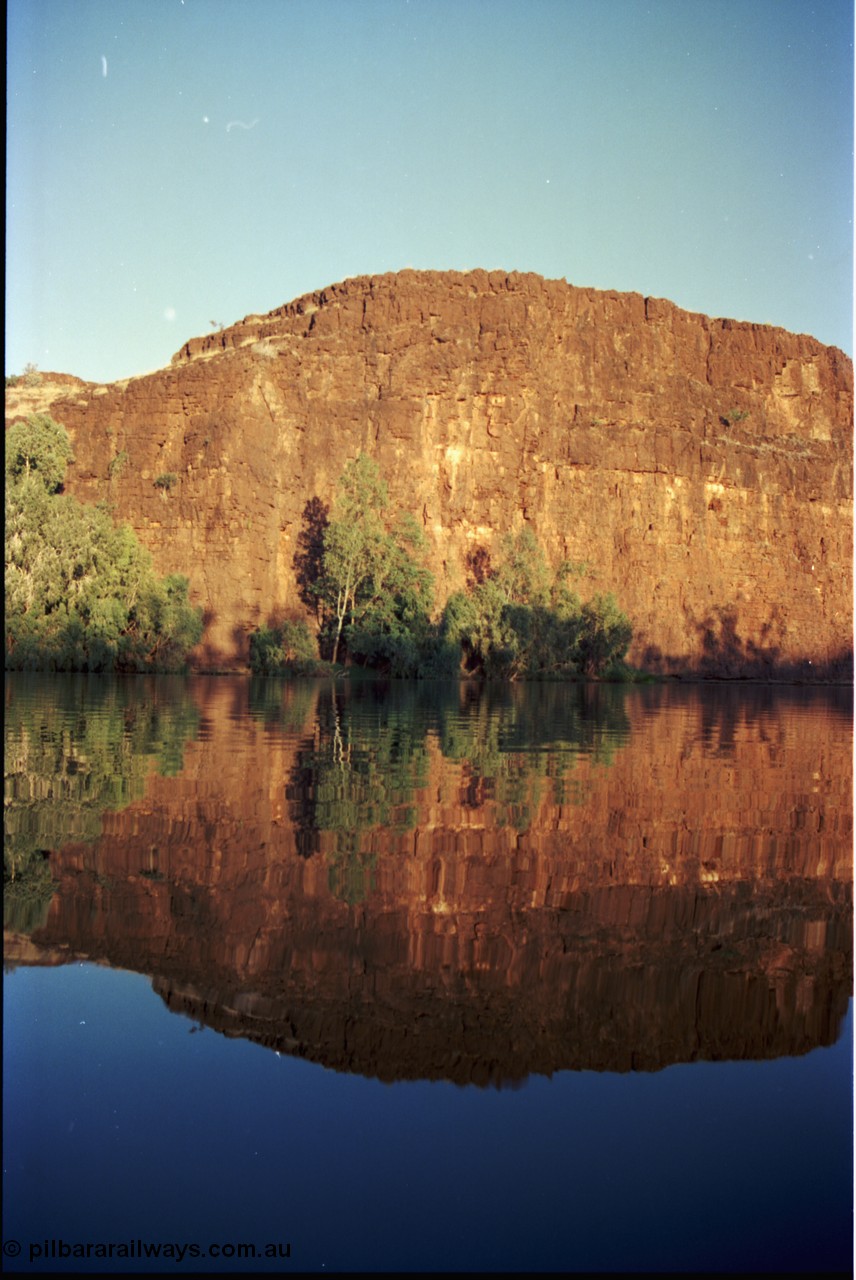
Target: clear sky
(173, 163)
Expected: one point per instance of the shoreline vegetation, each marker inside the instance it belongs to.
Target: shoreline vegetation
(363, 577)
(81, 591)
(82, 594)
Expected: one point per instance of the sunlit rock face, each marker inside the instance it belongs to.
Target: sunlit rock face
(641, 902)
(701, 469)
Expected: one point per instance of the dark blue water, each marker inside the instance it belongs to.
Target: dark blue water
(192, 1106)
(121, 1125)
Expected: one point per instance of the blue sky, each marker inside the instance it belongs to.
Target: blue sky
(176, 162)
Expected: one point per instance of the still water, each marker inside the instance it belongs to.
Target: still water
(423, 976)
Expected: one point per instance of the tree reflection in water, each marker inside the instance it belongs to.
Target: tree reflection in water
(451, 881)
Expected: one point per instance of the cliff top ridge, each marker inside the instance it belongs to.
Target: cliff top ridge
(410, 289)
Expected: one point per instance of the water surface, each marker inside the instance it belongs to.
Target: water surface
(429, 976)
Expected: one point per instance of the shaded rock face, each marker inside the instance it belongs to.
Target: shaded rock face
(700, 469)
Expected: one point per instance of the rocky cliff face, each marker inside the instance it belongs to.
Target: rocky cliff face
(701, 469)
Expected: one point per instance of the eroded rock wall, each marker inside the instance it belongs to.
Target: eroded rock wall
(701, 469)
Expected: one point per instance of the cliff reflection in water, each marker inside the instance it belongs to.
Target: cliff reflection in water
(458, 883)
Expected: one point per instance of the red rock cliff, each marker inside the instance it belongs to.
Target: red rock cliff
(701, 469)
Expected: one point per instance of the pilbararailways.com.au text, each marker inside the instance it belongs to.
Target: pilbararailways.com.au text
(57, 1250)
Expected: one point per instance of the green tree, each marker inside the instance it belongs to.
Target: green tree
(520, 621)
(605, 634)
(372, 589)
(81, 593)
(286, 647)
(37, 445)
(523, 575)
(352, 544)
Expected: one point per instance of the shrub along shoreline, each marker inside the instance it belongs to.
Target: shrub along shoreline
(82, 594)
(364, 579)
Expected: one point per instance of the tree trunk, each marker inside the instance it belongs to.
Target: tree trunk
(336, 641)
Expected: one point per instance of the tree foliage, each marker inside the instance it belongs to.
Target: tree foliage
(285, 647)
(372, 590)
(37, 447)
(520, 621)
(81, 593)
(371, 593)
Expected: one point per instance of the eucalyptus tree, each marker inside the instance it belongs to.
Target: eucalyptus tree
(372, 587)
(81, 592)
